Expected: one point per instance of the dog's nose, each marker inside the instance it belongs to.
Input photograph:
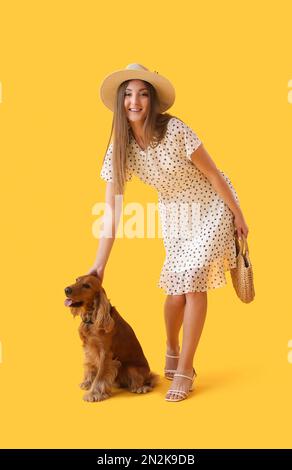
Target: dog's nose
(68, 290)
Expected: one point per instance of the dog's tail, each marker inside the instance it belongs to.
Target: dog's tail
(152, 379)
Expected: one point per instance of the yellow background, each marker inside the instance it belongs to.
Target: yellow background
(230, 64)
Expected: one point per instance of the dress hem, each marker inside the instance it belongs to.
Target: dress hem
(217, 269)
(223, 284)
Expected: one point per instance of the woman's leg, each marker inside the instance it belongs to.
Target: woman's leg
(193, 323)
(173, 316)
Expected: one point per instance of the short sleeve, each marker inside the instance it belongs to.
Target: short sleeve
(107, 167)
(187, 138)
(106, 170)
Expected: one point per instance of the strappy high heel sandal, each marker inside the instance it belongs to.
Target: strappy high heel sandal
(169, 373)
(182, 394)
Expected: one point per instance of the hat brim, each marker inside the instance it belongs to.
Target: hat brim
(111, 83)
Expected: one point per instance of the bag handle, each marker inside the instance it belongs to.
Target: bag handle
(243, 246)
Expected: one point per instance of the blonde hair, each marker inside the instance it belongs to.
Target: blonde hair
(154, 128)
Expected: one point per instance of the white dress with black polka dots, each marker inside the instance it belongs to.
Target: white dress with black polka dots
(197, 226)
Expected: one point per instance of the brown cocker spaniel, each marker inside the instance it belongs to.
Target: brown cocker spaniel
(113, 354)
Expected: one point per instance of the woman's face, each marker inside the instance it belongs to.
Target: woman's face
(136, 101)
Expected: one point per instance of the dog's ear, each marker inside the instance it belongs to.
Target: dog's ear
(102, 309)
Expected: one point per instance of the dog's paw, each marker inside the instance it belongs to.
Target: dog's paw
(143, 389)
(95, 396)
(85, 385)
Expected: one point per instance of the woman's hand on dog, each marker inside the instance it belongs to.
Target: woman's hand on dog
(97, 271)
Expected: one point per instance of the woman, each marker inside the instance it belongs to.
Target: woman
(166, 153)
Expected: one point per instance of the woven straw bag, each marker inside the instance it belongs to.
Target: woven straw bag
(242, 274)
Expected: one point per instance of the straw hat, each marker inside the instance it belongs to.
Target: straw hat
(111, 83)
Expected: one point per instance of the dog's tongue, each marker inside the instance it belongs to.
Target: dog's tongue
(68, 302)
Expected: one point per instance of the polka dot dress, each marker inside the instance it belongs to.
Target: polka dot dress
(197, 226)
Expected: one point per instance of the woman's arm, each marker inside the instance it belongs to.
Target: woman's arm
(110, 225)
(206, 165)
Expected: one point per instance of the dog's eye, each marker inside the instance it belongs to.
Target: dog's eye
(87, 286)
